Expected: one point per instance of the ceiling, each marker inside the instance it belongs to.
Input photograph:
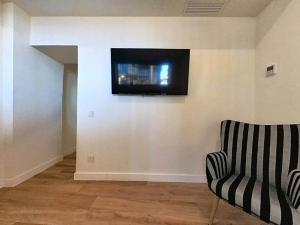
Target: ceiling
(227, 8)
(62, 54)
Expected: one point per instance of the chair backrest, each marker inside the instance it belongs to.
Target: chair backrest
(266, 153)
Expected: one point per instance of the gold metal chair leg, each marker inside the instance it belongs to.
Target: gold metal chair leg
(214, 209)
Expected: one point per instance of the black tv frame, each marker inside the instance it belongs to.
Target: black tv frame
(179, 58)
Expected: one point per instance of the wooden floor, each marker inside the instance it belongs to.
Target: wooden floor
(54, 198)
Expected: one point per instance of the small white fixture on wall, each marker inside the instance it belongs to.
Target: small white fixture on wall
(91, 158)
(91, 114)
(271, 70)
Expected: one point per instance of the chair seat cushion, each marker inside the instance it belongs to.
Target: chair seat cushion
(260, 199)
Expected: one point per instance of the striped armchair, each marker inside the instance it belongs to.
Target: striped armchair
(257, 169)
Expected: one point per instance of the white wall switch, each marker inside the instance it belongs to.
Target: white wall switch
(91, 114)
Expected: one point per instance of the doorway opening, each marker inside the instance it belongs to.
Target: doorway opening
(68, 57)
(69, 109)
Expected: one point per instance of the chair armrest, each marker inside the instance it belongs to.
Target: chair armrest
(293, 191)
(216, 166)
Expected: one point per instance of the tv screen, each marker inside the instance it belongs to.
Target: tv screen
(150, 71)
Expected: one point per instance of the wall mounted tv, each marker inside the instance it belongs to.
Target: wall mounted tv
(150, 71)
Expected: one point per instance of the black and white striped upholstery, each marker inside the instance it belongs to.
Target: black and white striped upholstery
(294, 188)
(216, 165)
(262, 172)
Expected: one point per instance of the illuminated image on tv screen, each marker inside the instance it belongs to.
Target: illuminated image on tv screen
(138, 74)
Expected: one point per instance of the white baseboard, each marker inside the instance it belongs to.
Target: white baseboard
(154, 177)
(14, 181)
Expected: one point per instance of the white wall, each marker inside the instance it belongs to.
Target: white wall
(278, 41)
(159, 137)
(155, 138)
(33, 102)
(1, 102)
(194, 33)
(1, 63)
(7, 80)
(70, 109)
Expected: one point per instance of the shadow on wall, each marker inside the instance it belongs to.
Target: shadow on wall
(149, 99)
(265, 23)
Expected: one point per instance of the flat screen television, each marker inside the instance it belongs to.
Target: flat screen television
(150, 71)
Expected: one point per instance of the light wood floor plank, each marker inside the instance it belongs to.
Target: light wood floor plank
(54, 198)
